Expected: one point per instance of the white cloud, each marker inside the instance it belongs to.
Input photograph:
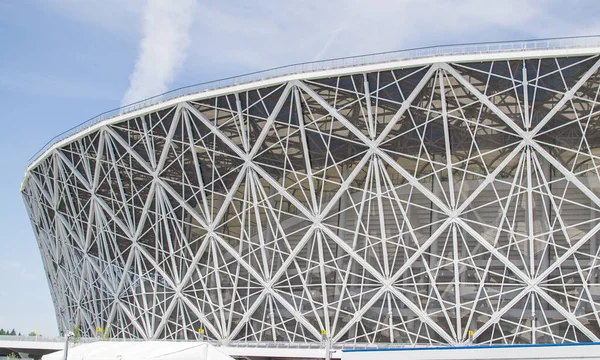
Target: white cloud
(163, 47)
(208, 40)
(272, 33)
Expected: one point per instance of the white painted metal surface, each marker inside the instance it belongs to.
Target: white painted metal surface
(410, 203)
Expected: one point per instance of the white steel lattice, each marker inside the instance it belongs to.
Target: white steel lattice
(403, 206)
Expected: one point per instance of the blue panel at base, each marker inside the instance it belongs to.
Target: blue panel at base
(473, 347)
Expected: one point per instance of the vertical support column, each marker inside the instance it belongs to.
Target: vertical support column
(527, 119)
(457, 298)
(272, 318)
(371, 121)
(307, 156)
(381, 215)
(269, 236)
(433, 227)
(215, 280)
(324, 296)
(242, 123)
(342, 224)
(217, 203)
(187, 229)
(463, 255)
(251, 180)
(544, 261)
(390, 316)
(434, 215)
(530, 227)
(447, 141)
(593, 279)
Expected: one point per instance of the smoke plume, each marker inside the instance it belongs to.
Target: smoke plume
(163, 48)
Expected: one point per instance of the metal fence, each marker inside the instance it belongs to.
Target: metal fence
(41, 338)
(330, 64)
(236, 344)
(31, 338)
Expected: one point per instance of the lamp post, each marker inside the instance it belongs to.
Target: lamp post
(66, 352)
(327, 344)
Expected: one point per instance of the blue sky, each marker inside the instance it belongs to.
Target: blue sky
(64, 61)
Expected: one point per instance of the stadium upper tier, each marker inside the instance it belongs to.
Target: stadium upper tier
(442, 199)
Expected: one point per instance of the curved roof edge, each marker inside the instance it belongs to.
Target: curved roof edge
(572, 46)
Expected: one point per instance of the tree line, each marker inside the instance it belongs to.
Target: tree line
(6, 332)
(14, 333)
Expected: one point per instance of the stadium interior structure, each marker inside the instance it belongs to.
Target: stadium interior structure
(440, 200)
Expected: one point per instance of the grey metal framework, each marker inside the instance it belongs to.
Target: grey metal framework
(404, 203)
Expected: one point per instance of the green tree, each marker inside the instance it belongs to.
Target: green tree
(32, 334)
(76, 334)
(105, 335)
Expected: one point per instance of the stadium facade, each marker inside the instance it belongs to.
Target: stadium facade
(447, 199)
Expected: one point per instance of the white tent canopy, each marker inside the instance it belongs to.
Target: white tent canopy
(141, 350)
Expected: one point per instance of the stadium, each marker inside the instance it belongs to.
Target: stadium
(429, 197)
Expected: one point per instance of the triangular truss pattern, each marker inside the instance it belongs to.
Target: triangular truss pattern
(450, 203)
